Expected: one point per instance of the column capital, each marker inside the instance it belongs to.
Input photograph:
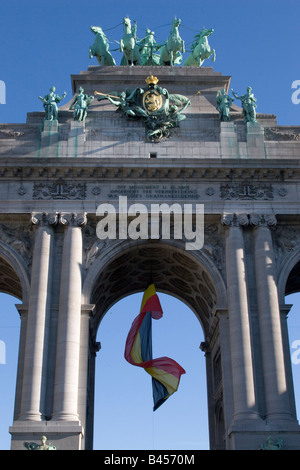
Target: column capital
(263, 220)
(235, 220)
(43, 218)
(244, 220)
(73, 219)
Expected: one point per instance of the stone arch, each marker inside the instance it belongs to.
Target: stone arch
(128, 267)
(14, 279)
(288, 275)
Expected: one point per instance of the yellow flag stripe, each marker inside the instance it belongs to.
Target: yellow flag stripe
(168, 380)
(147, 294)
(137, 350)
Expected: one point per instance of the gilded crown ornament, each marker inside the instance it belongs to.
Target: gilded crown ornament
(151, 80)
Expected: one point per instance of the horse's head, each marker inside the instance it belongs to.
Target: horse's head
(96, 29)
(207, 32)
(127, 22)
(176, 22)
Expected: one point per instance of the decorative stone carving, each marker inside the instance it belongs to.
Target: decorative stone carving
(277, 134)
(287, 239)
(210, 191)
(266, 220)
(19, 238)
(235, 219)
(21, 190)
(246, 191)
(59, 218)
(44, 219)
(213, 244)
(59, 190)
(96, 190)
(73, 219)
(282, 192)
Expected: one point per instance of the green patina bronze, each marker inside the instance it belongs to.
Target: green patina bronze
(224, 103)
(80, 104)
(147, 51)
(50, 104)
(200, 49)
(271, 444)
(160, 110)
(42, 446)
(128, 44)
(100, 47)
(148, 48)
(171, 51)
(248, 104)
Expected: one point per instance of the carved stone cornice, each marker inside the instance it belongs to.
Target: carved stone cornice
(84, 170)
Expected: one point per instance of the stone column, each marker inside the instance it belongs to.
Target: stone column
(86, 313)
(35, 357)
(276, 395)
(23, 312)
(245, 406)
(69, 318)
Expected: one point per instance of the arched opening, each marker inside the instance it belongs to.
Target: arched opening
(9, 341)
(123, 400)
(189, 278)
(292, 292)
(13, 289)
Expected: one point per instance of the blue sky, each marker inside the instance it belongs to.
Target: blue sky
(42, 43)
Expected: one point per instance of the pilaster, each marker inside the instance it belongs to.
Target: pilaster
(49, 139)
(76, 138)
(228, 140)
(255, 140)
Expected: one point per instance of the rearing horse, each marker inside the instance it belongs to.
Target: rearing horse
(200, 49)
(128, 44)
(100, 47)
(170, 53)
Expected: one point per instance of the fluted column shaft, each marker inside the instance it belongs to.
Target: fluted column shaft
(239, 325)
(276, 396)
(34, 373)
(68, 334)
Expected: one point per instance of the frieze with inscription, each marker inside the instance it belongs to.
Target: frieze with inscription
(154, 192)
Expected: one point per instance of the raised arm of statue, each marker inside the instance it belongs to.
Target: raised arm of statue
(50, 105)
(235, 95)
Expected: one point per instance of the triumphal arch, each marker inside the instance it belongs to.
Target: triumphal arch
(153, 134)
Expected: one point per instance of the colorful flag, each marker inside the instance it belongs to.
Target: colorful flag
(165, 372)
